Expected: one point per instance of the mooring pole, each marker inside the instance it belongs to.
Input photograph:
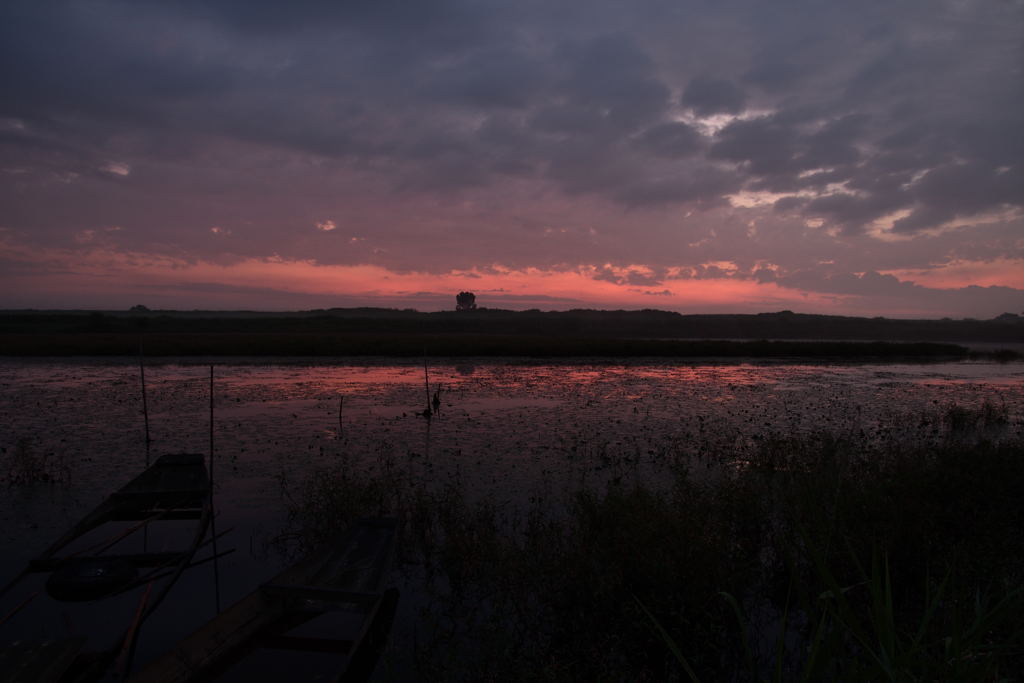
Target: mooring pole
(213, 511)
(426, 378)
(145, 406)
(145, 421)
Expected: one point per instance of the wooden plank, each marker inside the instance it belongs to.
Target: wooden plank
(371, 640)
(366, 559)
(318, 594)
(193, 493)
(330, 646)
(172, 515)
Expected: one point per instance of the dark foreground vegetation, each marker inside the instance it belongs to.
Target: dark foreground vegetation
(820, 558)
(483, 332)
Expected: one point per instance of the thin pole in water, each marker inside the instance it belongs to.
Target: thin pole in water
(145, 420)
(213, 512)
(145, 406)
(341, 404)
(426, 381)
(124, 659)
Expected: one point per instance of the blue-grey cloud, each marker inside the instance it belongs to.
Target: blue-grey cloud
(673, 139)
(707, 96)
(617, 131)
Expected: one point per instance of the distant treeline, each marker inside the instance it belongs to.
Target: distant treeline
(484, 332)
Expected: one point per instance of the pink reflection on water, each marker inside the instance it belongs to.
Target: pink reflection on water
(509, 432)
(519, 424)
(505, 430)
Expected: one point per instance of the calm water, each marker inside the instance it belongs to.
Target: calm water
(510, 431)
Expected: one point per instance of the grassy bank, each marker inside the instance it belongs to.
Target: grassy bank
(462, 345)
(823, 557)
(643, 324)
(488, 332)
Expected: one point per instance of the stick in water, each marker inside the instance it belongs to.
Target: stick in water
(145, 419)
(213, 510)
(145, 406)
(124, 660)
(426, 380)
(18, 607)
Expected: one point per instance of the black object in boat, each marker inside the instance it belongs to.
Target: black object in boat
(89, 578)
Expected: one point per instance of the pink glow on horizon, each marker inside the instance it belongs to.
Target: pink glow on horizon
(110, 276)
(104, 278)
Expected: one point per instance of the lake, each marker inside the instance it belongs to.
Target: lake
(511, 431)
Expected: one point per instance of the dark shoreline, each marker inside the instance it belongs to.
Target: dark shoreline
(644, 324)
(573, 334)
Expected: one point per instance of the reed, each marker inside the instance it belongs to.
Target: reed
(25, 465)
(213, 510)
(820, 558)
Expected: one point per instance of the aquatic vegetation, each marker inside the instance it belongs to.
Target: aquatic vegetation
(819, 558)
(544, 500)
(960, 418)
(839, 642)
(27, 464)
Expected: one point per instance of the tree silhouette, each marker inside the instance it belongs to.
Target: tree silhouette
(465, 301)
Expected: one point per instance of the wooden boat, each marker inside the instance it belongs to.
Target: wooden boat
(347, 575)
(81, 569)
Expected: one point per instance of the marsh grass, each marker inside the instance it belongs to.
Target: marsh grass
(817, 557)
(988, 416)
(844, 642)
(25, 464)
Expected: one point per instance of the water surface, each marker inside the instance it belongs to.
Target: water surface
(507, 430)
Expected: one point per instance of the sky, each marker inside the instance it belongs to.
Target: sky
(851, 157)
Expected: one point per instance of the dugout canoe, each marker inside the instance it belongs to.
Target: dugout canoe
(82, 567)
(346, 574)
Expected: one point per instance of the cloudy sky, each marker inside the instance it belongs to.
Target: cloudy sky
(861, 157)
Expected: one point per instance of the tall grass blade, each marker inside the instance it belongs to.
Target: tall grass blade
(747, 652)
(780, 644)
(668, 640)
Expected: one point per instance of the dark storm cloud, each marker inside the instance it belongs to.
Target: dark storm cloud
(852, 212)
(674, 139)
(614, 78)
(489, 79)
(835, 143)
(60, 60)
(788, 152)
(828, 280)
(707, 96)
(701, 188)
(957, 190)
(440, 24)
(764, 145)
(167, 119)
